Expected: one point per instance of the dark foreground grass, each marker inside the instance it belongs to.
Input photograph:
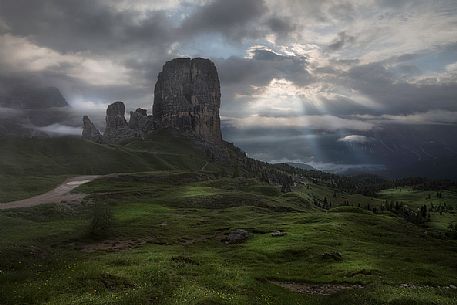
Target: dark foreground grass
(165, 246)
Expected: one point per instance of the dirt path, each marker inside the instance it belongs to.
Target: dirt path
(62, 193)
(320, 289)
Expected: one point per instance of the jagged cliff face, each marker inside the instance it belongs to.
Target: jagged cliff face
(90, 132)
(117, 128)
(139, 121)
(187, 97)
(115, 117)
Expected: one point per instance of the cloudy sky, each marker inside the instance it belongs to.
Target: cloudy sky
(300, 73)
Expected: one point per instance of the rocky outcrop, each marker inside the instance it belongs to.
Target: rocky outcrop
(187, 97)
(139, 121)
(115, 117)
(90, 132)
(187, 100)
(117, 128)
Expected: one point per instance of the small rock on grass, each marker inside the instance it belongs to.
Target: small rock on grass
(332, 256)
(278, 233)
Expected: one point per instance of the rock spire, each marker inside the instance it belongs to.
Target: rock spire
(187, 97)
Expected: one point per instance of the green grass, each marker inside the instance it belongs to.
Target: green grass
(417, 198)
(30, 166)
(170, 219)
(197, 191)
(175, 222)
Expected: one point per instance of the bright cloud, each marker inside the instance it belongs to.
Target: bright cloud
(355, 139)
(303, 121)
(21, 55)
(58, 129)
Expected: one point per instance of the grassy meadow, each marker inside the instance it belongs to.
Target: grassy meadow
(165, 245)
(157, 234)
(31, 166)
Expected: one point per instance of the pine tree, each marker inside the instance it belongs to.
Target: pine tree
(424, 211)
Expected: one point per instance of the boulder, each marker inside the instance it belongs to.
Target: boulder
(237, 236)
(336, 256)
(90, 132)
(278, 233)
(187, 97)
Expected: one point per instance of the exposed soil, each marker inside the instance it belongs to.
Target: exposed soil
(114, 245)
(61, 194)
(319, 289)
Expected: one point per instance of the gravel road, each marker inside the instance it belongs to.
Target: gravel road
(62, 193)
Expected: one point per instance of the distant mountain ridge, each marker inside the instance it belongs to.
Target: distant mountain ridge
(24, 97)
(24, 106)
(301, 166)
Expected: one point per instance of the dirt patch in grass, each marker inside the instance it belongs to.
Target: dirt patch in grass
(114, 245)
(317, 289)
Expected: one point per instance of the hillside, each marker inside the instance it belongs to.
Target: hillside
(169, 237)
(29, 166)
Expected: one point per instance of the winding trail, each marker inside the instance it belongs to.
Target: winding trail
(61, 193)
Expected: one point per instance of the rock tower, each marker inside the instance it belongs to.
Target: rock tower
(117, 128)
(187, 97)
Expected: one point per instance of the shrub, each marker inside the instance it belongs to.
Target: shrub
(102, 220)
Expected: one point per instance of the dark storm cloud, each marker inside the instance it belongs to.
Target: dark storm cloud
(98, 27)
(90, 29)
(142, 43)
(375, 81)
(262, 68)
(233, 18)
(83, 25)
(280, 25)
